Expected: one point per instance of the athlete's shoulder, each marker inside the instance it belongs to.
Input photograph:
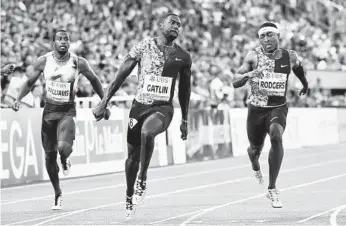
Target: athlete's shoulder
(185, 54)
(292, 53)
(81, 62)
(294, 58)
(41, 60)
(145, 42)
(252, 55)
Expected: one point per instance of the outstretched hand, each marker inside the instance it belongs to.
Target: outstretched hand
(15, 106)
(101, 112)
(304, 90)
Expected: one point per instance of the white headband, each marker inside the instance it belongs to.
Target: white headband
(266, 29)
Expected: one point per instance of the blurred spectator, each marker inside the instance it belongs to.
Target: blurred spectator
(218, 34)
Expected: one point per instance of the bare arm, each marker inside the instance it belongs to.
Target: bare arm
(298, 70)
(244, 72)
(89, 73)
(124, 71)
(185, 89)
(32, 78)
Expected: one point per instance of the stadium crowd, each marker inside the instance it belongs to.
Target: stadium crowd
(218, 34)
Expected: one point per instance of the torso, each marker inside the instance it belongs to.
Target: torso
(158, 71)
(269, 90)
(61, 79)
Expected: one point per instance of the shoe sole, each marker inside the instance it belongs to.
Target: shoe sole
(56, 207)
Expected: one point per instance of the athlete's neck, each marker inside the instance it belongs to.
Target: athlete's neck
(61, 56)
(164, 41)
(270, 53)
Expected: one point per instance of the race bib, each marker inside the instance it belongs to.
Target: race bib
(58, 91)
(157, 87)
(275, 85)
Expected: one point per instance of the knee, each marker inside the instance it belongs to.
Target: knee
(275, 138)
(255, 150)
(147, 134)
(132, 160)
(51, 156)
(64, 148)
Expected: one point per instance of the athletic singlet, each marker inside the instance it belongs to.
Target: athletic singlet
(60, 79)
(269, 90)
(156, 75)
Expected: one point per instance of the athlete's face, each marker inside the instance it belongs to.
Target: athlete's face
(62, 42)
(269, 41)
(171, 26)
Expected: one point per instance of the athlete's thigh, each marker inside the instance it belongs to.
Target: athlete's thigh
(278, 115)
(165, 114)
(66, 129)
(256, 126)
(135, 123)
(49, 134)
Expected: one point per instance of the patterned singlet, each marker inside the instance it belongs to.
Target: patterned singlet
(60, 79)
(157, 75)
(269, 90)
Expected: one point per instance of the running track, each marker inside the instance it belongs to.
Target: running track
(220, 192)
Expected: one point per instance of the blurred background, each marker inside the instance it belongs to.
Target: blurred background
(217, 33)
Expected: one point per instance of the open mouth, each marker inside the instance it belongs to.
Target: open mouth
(63, 47)
(174, 31)
(268, 45)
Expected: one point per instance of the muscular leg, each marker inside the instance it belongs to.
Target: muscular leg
(276, 153)
(254, 153)
(131, 168)
(66, 135)
(152, 126)
(53, 171)
(256, 132)
(49, 142)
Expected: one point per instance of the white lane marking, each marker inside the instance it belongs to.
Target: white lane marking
(316, 215)
(169, 167)
(335, 214)
(154, 180)
(176, 217)
(191, 189)
(207, 210)
(123, 185)
(41, 218)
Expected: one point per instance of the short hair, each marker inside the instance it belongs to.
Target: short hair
(60, 30)
(164, 17)
(268, 24)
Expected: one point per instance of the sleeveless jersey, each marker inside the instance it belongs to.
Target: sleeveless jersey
(269, 90)
(60, 79)
(157, 75)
